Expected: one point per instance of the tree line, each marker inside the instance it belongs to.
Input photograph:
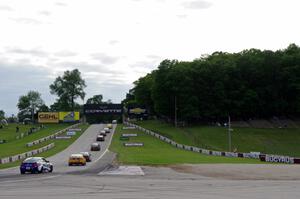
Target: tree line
(249, 84)
(68, 88)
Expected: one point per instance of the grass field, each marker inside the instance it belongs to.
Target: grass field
(19, 146)
(272, 141)
(157, 152)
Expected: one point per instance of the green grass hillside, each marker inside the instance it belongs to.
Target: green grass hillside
(285, 141)
(16, 146)
(157, 152)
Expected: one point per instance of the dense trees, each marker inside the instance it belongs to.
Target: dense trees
(68, 88)
(96, 99)
(252, 83)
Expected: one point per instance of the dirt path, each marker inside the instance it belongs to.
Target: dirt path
(242, 171)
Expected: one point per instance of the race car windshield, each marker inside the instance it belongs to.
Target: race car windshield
(31, 160)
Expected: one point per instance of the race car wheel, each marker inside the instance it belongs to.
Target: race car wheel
(51, 169)
(41, 171)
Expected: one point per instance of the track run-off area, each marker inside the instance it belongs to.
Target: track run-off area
(175, 181)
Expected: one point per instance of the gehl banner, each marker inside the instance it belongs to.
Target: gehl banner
(48, 117)
(56, 117)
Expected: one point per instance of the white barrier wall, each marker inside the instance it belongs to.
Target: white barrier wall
(29, 144)
(254, 155)
(26, 155)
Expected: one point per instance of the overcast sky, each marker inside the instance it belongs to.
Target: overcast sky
(114, 42)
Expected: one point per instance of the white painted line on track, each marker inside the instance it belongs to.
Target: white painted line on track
(26, 180)
(124, 170)
(102, 155)
(10, 168)
(106, 150)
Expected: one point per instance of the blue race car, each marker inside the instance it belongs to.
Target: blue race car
(35, 165)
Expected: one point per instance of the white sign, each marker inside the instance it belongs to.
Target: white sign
(75, 129)
(134, 144)
(62, 137)
(71, 133)
(129, 135)
(231, 154)
(279, 159)
(128, 127)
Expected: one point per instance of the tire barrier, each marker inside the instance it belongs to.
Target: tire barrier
(252, 155)
(29, 144)
(22, 156)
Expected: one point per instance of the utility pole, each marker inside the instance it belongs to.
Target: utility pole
(175, 112)
(229, 134)
(32, 113)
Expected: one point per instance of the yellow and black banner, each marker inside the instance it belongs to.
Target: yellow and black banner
(69, 116)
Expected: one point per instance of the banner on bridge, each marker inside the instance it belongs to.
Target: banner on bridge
(103, 109)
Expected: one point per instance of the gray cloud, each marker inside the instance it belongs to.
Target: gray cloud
(65, 53)
(196, 4)
(156, 57)
(6, 8)
(20, 76)
(34, 52)
(113, 42)
(144, 65)
(104, 58)
(25, 20)
(82, 66)
(60, 4)
(113, 91)
(44, 12)
(182, 16)
(17, 78)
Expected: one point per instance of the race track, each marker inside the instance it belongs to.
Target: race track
(172, 182)
(60, 160)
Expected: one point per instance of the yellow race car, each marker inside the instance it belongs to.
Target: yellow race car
(77, 159)
(109, 126)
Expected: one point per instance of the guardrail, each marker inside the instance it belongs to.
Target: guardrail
(27, 154)
(253, 155)
(29, 144)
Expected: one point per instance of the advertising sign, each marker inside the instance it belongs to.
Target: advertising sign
(122, 138)
(48, 117)
(68, 116)
(134, 144)
(76, 129)
(103, 109)
(71, 133)
(62, 137)
(279, 159)
(137, 112)
(129, 134)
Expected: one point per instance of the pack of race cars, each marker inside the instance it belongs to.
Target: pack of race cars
(40, 164)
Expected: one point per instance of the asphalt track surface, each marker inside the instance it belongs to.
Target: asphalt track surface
(83, 143)
(158, 182)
